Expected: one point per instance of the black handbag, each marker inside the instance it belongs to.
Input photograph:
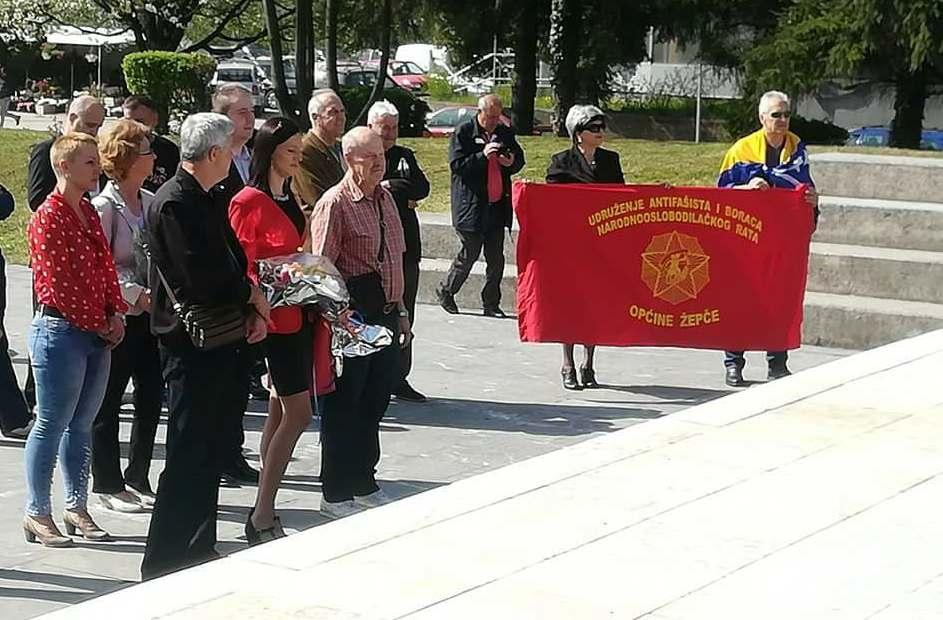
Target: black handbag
(209, 327)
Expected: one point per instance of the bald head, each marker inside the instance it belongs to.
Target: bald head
(490, 110)
(366, 161)
(85, 115)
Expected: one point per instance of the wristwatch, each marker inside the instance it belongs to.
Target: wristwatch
(403, 314)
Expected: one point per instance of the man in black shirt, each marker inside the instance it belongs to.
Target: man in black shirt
(407, 184)
(193, 247)
(14, 414)
(86, 115)
(167, 156)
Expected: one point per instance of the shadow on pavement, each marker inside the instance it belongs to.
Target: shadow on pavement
(531, 418)
(87, 587)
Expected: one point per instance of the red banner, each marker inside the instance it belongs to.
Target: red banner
(645, 265)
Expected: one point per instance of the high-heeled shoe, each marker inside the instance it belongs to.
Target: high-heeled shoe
(256, 536)
(46, 534)
(84, 524)
(569, 379)
(588, 378)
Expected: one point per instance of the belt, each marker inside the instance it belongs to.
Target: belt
(45, 310)
(389, 308)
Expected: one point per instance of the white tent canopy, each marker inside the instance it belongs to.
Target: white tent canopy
(91, 37)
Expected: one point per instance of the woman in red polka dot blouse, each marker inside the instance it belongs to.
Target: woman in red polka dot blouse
(78, 321)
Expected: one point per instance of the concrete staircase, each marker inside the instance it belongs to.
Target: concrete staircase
(876, 268)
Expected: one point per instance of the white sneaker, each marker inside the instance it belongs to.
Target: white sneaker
(339, 510)
(120, 502)
(377, 498)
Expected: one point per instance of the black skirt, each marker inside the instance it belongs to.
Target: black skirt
(290, 359)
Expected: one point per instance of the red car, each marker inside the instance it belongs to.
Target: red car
(407, 74)
(443, 121)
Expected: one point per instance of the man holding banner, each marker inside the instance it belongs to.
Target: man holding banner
(647, 265)
(772, 156)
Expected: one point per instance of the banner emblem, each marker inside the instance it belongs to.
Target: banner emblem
(675, 267)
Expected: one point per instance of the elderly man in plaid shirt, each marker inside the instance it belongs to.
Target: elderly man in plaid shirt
(357, 226)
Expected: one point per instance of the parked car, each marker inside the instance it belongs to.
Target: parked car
(407, 74)
(443, 121)
(243, 72)
(930, 139)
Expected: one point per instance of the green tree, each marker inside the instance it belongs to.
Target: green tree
(888, 41)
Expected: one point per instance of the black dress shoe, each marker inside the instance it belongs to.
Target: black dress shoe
(777, 372)
(588, 378)
(495, 313)
(241, 472)
(734, 377)
(408, 393)
(569, 379)
(256, 536)
(447, 301)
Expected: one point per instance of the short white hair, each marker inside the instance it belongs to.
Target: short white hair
(357, 137)
(201, 132)
(380, 109)
(768, 97)
(578, 116)
(318, 99)
(491, 99)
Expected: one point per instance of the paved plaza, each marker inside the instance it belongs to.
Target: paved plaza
(496, 402)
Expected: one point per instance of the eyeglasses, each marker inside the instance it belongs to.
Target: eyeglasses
(783, 114)
(598, 128)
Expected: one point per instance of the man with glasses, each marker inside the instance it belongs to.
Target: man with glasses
(772, 156)
(322, 164)
(483, 154)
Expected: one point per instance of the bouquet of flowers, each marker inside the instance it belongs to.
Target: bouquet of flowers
(303, 279)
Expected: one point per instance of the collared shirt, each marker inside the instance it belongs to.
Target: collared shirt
(346, 228)
(320, 170)
(242, 161)
(73, 271)
(194, 247)
(120, 225)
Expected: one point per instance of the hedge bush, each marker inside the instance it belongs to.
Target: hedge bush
(178, 83)
(412, 110)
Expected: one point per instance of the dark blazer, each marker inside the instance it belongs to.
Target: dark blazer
(471, 211)
(41, 179)
(407, 182)
(230, 186)
(190, 240)
(264, 231)
(570, 166)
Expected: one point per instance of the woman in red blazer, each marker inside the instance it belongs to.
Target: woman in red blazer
(268, 222)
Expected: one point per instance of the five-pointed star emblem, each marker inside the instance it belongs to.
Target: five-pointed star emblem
(675, 267)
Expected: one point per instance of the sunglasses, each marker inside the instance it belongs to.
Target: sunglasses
(596, 128)
(784, 114)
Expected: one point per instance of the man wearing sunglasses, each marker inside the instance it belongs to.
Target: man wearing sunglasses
(772, 156)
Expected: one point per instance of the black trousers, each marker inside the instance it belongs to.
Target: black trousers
(411, 290)
(472, 243)
(137, 356)
(350, 423)
(200, 387)
(14, 412)
(773, 359)
(254, 361)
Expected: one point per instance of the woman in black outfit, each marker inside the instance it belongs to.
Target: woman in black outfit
(584, 162)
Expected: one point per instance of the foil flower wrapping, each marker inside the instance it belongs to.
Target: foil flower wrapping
(312, 281)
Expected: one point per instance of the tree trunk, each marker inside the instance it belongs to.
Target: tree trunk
(286, 104)
(566, 23)
(385, 35)
(160, 34)
(304, 59)
(524, 89)
(909, 103)
(331, 9)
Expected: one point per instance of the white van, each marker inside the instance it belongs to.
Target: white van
(246, 73)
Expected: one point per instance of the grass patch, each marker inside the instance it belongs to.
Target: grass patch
(15, 145)
(678, 163)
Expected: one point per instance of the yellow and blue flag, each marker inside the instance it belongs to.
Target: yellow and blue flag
(746, 160)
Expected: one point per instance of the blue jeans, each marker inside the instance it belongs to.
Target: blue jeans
(71, 369)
